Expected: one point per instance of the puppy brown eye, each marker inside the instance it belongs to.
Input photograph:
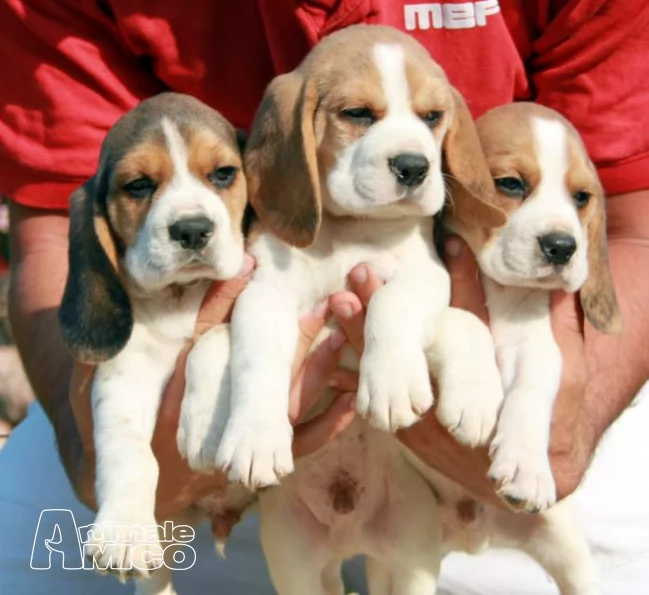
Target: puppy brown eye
(432, 119)
(141, 188)
(222, 177)
(361, 116)
(581, 198)
(512, 187)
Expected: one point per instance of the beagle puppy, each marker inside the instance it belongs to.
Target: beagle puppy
(346, 164)
(554, 239)
(158, 222)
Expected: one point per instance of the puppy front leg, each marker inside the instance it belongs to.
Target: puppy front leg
(206, 403)
(125, 398)
(394, 387)
(256, 448)
(531, 365)
(462, 359)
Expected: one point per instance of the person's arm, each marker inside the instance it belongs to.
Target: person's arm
(39, 241)
(616, 367)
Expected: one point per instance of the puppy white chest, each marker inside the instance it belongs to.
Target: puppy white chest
(314, 273)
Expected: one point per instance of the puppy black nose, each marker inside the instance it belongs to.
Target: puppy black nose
(410, 169)
(557, 248)
(192, 233)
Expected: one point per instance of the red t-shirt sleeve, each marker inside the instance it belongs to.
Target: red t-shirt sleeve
(66, 78)
(591, 63)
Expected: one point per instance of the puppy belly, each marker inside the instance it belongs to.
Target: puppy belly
(344, 493)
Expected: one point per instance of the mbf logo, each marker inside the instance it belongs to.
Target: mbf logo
(58, 541)
(444, 15)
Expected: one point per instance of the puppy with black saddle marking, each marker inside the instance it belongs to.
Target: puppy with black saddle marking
(149, 232)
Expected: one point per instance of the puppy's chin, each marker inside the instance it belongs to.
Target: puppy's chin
(383, 200)
(214, 266)
(541, 276)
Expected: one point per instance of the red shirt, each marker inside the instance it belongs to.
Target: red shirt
(71, 68)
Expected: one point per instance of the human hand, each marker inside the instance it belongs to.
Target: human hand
(178, 485)
(428, 439)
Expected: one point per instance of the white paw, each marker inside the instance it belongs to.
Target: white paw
(468, 405)
(523, 477)
(124, 544)
(394, 388)
(206, 404)
(256, 452)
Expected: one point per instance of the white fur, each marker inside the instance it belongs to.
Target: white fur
(127, 389)
(531, 366)
(126, 394)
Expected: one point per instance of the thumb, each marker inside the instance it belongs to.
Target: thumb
(466, 287)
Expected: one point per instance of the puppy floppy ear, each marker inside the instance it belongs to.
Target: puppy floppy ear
(598, 293)
(95, 315)
(473, 190)
(281, 161)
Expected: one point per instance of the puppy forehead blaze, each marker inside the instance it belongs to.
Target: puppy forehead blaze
(387, 76)
(410, 83)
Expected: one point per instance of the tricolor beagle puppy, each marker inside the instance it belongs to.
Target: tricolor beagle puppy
(158, 222)
(554, 238)
(345, 164)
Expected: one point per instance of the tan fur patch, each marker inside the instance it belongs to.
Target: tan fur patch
(127, 214)
(209, 151)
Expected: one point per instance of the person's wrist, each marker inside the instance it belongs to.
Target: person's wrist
(570, 459)
(71, 452)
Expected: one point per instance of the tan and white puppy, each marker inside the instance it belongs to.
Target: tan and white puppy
(554, 238)
(149, 232)
(344, 165)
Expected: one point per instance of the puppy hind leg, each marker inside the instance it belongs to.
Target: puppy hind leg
(410, 550)
(554, 540)
(379, 580)
(560, 547)
(158, 583)
(296, 548)
(332, 579)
